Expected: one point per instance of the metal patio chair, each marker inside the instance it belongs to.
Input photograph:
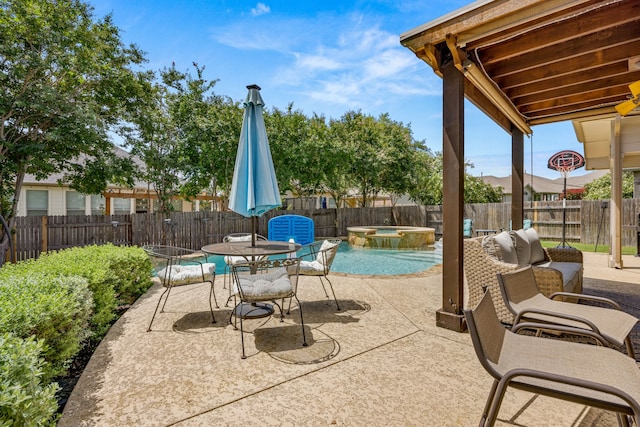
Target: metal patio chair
(257, 282)
(231, 260)
(596, 376)
(178, 267)
(318, 263)
(521, 296)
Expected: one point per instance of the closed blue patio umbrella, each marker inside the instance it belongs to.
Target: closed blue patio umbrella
(254, 189)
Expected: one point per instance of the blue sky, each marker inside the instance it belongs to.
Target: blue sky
(325, 57)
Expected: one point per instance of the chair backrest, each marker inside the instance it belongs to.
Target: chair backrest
(241, 237)
(526, 224)
(327, 253)
(487, 333)
(517, 286)
(270, 269)
(285, 227)
(467, 227)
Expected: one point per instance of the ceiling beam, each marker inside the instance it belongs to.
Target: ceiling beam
(557, 110)
(574, 115)
(582, 77)
(560, 34)
(593, 89)
(575, 47)
(582, 62)
(510, 17)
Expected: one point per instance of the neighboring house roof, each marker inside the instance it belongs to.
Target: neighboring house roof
(52, 180)
(543, 185)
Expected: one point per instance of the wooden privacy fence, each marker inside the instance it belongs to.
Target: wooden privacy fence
(586, 222)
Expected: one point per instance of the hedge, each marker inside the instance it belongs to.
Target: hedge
(55, 310)
(51, 307)
(116, 276)
(26, 399)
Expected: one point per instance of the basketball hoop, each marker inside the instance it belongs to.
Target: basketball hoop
(565, 162)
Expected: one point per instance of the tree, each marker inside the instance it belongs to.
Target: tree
(426, 186)
(398, 157)
(600, 189)
(153, 136)
(478, 191)
(186, 135)
(296, 143)
(65, 82)
(362, 137)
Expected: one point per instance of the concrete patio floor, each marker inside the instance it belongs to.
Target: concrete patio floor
(380, 361)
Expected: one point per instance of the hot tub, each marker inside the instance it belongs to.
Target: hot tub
(391, 237)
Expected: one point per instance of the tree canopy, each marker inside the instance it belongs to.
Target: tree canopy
(600, 189)
(69, 86)
(66, 81)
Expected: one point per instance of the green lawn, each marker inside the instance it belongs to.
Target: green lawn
(626, 250)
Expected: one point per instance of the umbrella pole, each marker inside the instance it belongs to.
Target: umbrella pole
(253, 232)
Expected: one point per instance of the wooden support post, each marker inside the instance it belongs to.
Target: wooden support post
(615, 248)
(517, 178)
(450, 315)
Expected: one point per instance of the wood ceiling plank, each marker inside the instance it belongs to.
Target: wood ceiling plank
(573, 115)
(581, 77)
(619, 82)
(591, 61)
(553, 34)
(562, 11)
(607, 97)
(583, 45)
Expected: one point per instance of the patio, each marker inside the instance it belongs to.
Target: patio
(380, 361)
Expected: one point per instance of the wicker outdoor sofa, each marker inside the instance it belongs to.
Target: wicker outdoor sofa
(555, 269)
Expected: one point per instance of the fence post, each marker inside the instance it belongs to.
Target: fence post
(45, 234)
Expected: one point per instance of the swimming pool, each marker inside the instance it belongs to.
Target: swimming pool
(383, 261)
(351, 260)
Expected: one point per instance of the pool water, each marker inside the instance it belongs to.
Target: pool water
(383, 261)
(370, 261)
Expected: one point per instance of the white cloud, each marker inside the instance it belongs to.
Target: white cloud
(260, 9)
(389, 63)
(335, 63)
(317, 62)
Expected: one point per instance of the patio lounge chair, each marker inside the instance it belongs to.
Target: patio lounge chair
(179, 267)
(556, 269)
(320, 258)
(255, 282)
(596, 376)
(522, 297)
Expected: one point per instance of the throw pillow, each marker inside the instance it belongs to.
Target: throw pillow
(326, 245)
(501, 247)
(245, 238)
(537, 251)
(523, 248)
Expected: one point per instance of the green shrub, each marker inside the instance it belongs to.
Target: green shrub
(116, 275)
(26, 399)
(56, 310)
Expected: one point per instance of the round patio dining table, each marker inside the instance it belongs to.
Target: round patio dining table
(262, 248)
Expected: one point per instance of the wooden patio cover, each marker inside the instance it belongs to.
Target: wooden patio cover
(523, 63)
